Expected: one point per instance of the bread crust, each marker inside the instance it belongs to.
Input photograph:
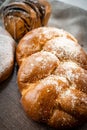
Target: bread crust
(32, 43)
(21, 17)
(7, 50)
(52, 77)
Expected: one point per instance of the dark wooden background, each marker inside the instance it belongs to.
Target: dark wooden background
(12, 116)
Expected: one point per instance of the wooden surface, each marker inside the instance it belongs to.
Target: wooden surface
(12, 116)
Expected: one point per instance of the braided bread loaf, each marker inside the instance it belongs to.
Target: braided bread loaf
(24, 15)
(52, 77)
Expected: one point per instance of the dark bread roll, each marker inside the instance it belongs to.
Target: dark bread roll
(23, 16)
(7, 51)
(52, 77)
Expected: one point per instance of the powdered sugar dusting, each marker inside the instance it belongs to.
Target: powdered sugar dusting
(6, 52)
(46, 59)
(70, 70)
(63, 48)
(70, 95)
(54, 80)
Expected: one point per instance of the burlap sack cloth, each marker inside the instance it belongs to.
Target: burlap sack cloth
(12, 115)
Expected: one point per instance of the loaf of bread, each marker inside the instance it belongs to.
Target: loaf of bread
(22, 16)
(7, 51)
(52, 77)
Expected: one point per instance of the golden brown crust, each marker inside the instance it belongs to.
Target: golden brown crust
(21, 17)
(47, 6)
(36, 67)
(7, 48)
(66, 49)
(52, 77)
(52, 96)
(31, 43)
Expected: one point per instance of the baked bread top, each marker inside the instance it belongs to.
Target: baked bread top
(7, 51)
(22, 16)
(52, 77)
